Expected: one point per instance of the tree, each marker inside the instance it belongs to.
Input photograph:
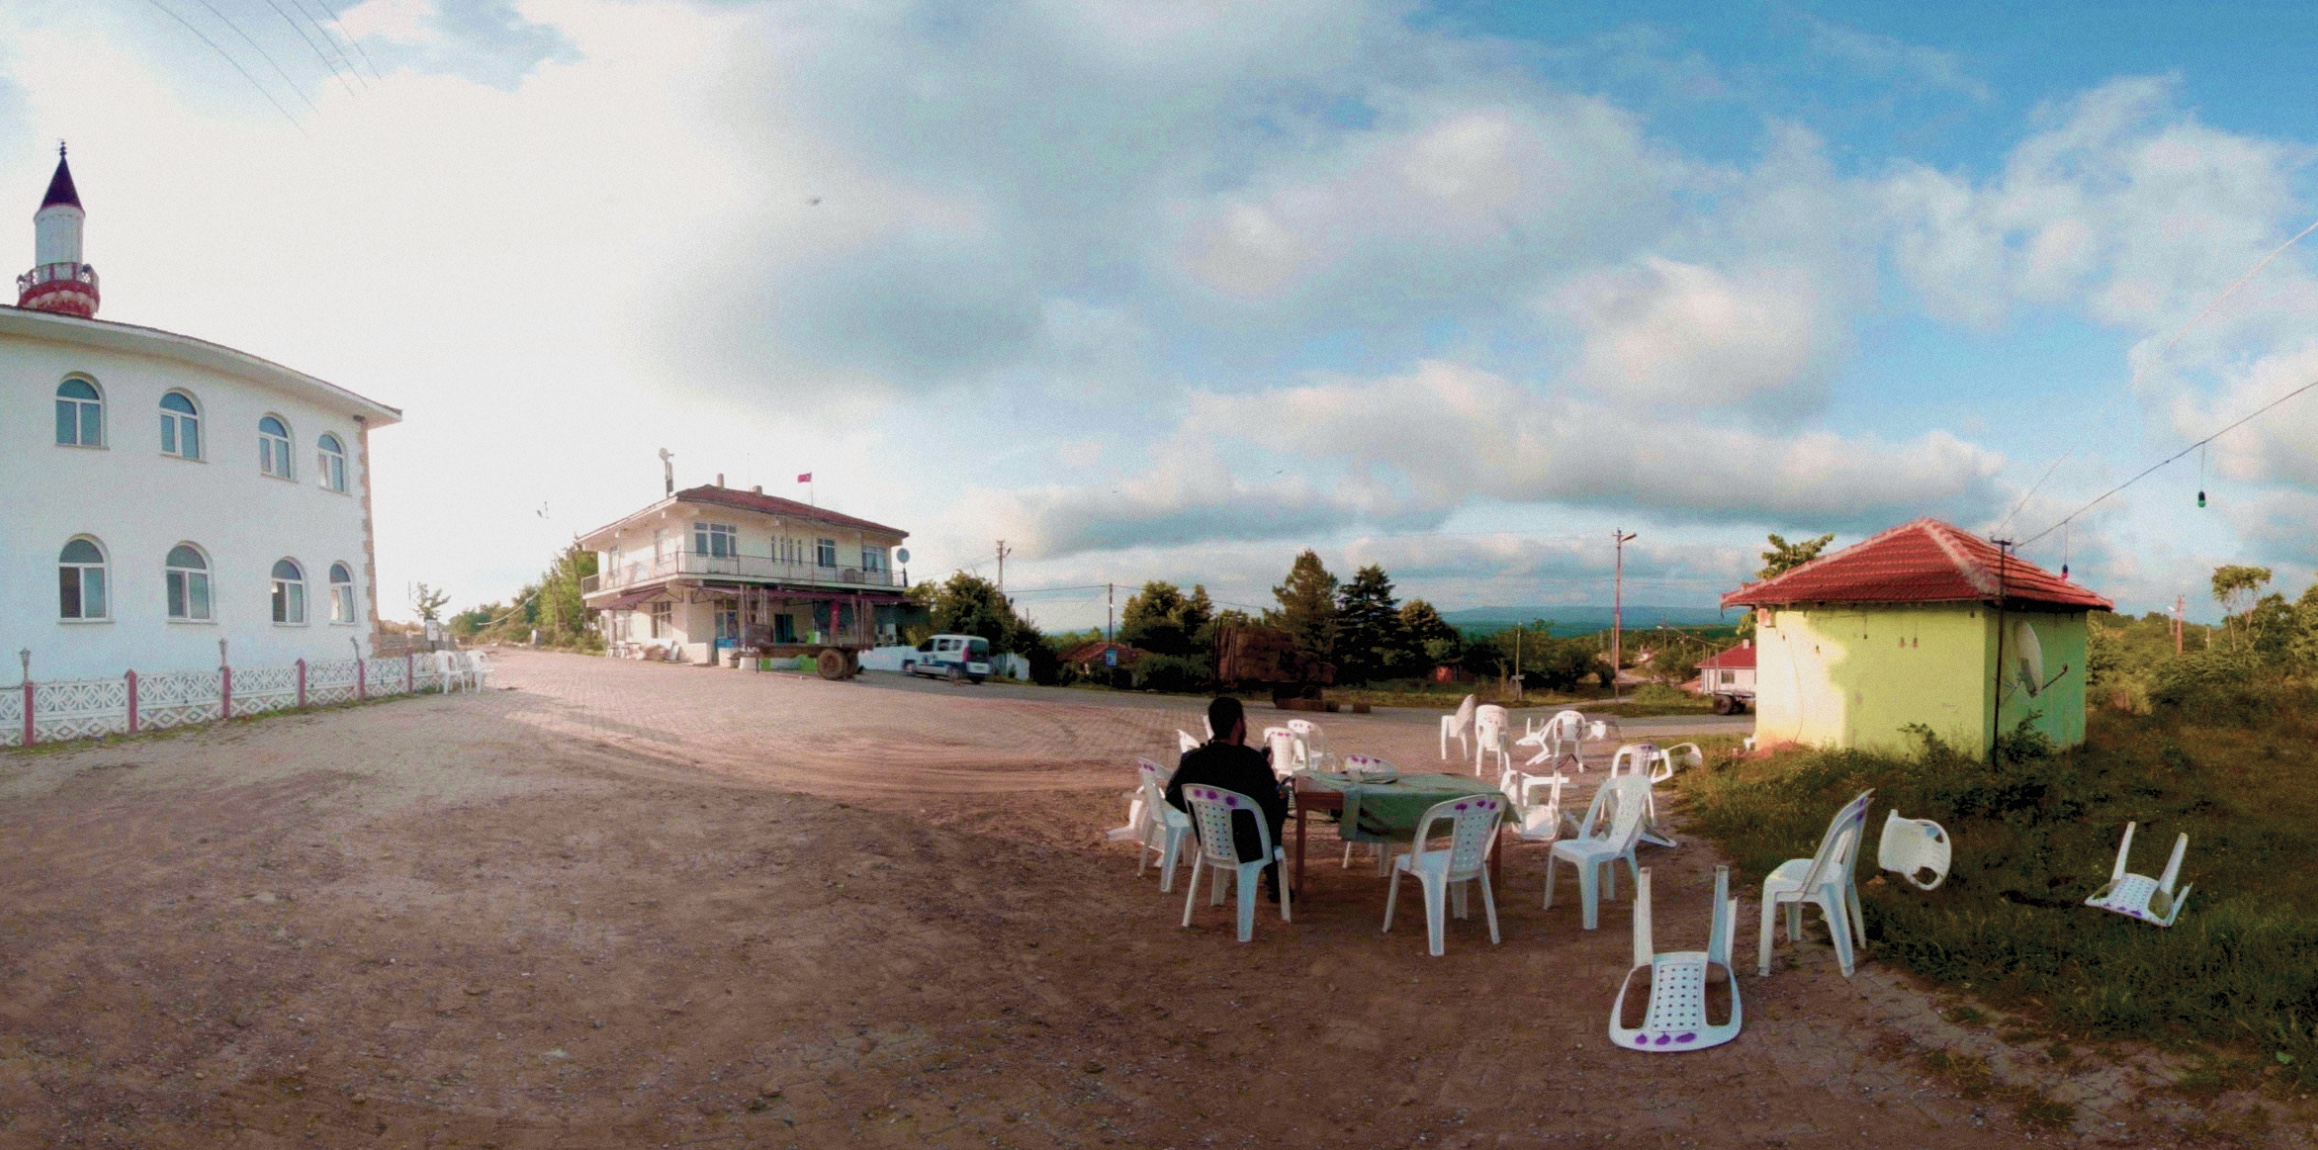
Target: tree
(1784, 556)
(1163, 620)
(1370, 641)
(1307, 606)
(971, 605)
(1429, 635)
(429, 602)
(2234, 587)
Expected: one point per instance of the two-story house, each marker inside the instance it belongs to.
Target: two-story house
(712, 568)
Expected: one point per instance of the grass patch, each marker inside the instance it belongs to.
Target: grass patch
(2036, 834)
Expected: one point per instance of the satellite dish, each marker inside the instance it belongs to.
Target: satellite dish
(901, 554)
(2030, 654)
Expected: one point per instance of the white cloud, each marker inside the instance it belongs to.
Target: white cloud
(1882, 55)
(1676, 333)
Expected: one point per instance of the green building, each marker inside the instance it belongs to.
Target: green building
(1908, 628)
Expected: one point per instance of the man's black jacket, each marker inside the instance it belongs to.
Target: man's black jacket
(1233, 768)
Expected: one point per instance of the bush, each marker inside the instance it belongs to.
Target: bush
(1172, 673)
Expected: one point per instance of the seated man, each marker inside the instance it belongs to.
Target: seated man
(1227, 761)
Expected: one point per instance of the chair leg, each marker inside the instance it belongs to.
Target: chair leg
(1245, 877)
(1436, 893)
(1391, 900)
(1170, 855)
(1215, 875)
(1838, 928)
(1457, 901)
(1794, 923)
(1858, 924)
(1287, 891)
(1347, 863)
(1489, 905)
(1770, 924)
(1590, 893)
(1609, 880)
(1191, 889)
(1550, 861)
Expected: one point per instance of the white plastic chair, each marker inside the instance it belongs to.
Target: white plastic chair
(446, 671)
(1634, 759)
(1311, 741)
(1459, 726)
(1675, 759)
(1612, 827)
(1211, 810)
(1913, 848)
(1282, 742)
(1155, 827)
(478, 670)
(1558, 740)
(1647, 760)
(2139, 896)
(1490, 736)
(1823, 880)
(1534, 822)
(1676, 1019)
(1438, 869)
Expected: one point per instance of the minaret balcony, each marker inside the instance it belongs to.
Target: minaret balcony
(81, 274)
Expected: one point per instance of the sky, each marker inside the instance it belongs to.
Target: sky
(1173, 290)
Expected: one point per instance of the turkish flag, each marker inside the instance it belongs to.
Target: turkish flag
(805, 478)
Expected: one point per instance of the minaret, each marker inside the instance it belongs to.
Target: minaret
(58, 281)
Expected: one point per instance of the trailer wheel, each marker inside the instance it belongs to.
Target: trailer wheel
(830, 664)
(1722, 704)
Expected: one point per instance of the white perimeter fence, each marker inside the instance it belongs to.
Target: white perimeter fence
(37, 712)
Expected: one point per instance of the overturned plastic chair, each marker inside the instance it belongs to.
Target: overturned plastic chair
(1677, 1018)
(1612, 827)
(1825, 881)
(1913, 849)
(1218, 853)
(2139, 896)
(1459, 726)
(1458, 865)
(1534, 822)
(1676, 759)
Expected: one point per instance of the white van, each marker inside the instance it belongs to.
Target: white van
(953, 656)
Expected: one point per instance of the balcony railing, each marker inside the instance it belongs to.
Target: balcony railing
(55, 273)
(745, 567)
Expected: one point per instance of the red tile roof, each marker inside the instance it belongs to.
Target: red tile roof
(1735, 659)
(775, 505)
(1093, 653)
(1926, 561)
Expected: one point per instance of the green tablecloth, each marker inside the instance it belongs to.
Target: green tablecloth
(1388, 812)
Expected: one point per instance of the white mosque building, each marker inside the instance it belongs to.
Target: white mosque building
(166, 494)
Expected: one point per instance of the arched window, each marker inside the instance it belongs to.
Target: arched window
(188, 574)
(330, 458)
(80, 414)
(274, 448)
(180, 426)
(341, 594)
(289, 592)
(80, 580)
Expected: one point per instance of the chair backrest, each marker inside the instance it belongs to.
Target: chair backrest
(1464, 716)
(1839, 847)
(1913, 848)
(445, 670)
(1630, 811)
(1146, 768)
(1282, 742)
(1489, 717)
(1474, 828)
(1211, 810)
(1679, 757)
(1634, 758)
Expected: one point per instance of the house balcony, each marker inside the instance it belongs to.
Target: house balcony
(735, 568)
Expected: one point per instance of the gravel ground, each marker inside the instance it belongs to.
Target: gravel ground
(618, 905)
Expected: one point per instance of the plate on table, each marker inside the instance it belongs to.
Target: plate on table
(1369, 769)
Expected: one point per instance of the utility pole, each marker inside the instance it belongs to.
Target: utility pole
(1003, 552)
(1110, 611)
(1618, 609)
(2179, 604)
(1517, 661)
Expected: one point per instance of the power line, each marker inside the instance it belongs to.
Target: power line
(358, 48)
(315, 48)
(332, 41)
(268, 57)
(214, 46)
(2131, 385)
(2144, 472)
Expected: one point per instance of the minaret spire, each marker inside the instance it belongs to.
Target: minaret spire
(58, 281)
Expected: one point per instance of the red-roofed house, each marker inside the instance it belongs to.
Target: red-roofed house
(1908, 628)
(1730, 672)
(714, 567)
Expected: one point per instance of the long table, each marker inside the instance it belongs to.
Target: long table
(1314, 795)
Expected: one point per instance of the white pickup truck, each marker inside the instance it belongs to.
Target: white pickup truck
(955, 657)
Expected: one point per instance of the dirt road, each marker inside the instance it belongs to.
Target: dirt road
(618, 905)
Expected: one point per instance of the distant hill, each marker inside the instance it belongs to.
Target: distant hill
(1578, 619)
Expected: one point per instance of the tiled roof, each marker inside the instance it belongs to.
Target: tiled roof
(1926, 561)
(1735, 659)
(775, 505)
(1093, 652)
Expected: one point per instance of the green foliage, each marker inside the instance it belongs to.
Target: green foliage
(1370, 641)
(971, 605)
(1544, 662)
(428, 602)
(1307, 607)
(1174, 673)
(2036, 833)
(1783, 556)
(1162, 619)
(1429, 635)
(551, 605)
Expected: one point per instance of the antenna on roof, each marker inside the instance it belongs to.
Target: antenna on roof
(668, 470)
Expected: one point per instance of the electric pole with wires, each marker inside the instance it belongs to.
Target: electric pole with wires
(1618, 609)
